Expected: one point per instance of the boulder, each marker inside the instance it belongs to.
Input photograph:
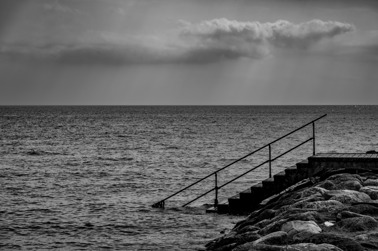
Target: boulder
(259, 247)
(232, 240)
(227, 247)
(371, 182)
(368, 236)
(327, 184)
(306, 216)
(347, 196)
(330, 215)
(341, 242)
(317, 190)
(369, 240)
(312, 247)
(348, 214)
(325, 206)
(355, 224)
(247, 229)
(294, 227)
(369, 209)
(372, 191)
(345, 181)
(305, 201)
(275, 238)
(274, 226)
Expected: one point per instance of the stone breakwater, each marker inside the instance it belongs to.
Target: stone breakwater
(332, 212)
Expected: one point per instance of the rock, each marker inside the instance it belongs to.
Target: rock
(371, 182)
(347, 214)
(266, 214)
(341, 242)
(227, 247)
(371, 152)
(247, 228)
(294, 247)
(275, 238)
(327, 184)
(367, 236)
(328, 206)
(351, 185)
(329, 224)
(232, 238)
(306, 216)
(331, 215)
(364, 209)
(312, 247)
(300, 236)
(346, 181)
(347, 196)
(369, 240)
(263, 223)
(372, 191)
(259, 247)
(302, 203)
(294, 227)
(356, 224)
(274, 226)
(313, 191)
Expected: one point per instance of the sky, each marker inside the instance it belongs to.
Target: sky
(188, 52)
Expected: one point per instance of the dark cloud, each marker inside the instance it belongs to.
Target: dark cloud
(253, 39)
(208, 41)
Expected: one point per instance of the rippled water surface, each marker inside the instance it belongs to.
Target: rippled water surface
(84, 178)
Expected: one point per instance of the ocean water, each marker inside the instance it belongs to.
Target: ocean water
(85, 177)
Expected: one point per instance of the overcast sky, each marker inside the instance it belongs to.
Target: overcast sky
(188, 52)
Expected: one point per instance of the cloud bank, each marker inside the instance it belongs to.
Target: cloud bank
(208, 41)
(254, 39)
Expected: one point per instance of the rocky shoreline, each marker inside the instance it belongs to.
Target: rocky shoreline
(335, 211)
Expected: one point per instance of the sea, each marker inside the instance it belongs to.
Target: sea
(85, 177)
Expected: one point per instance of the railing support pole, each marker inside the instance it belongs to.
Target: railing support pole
(313, 138)
(270, 161)
(216, 191)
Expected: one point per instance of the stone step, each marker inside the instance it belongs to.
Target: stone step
(280, 177)
(269, 187)
(250, 198)
(281, 181)
(223, 208)
(236, 205)
(304, 169)
(253, 193)
(292, 175)
(246, 200)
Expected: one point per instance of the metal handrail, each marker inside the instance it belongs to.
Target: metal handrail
(161, 203)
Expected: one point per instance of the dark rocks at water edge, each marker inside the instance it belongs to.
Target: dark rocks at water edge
(332, 212)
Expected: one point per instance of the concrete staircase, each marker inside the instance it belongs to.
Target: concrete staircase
(249, 199)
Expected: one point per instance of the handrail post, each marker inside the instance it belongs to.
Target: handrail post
(216, 191)
(270, 161)
(313, 138)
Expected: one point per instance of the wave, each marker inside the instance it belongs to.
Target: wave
(116, 158)
(171, 148)
(41, 152)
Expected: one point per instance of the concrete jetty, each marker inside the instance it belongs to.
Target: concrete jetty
(252, 198)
